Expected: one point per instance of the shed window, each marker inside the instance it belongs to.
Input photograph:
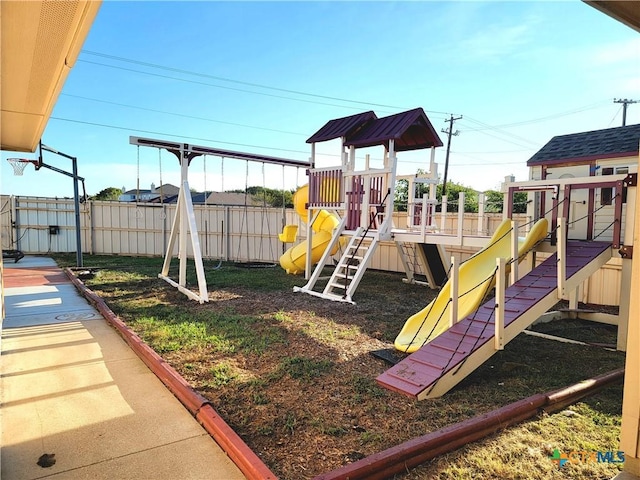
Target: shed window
(606, 196)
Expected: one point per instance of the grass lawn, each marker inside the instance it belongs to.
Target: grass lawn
(294, 376)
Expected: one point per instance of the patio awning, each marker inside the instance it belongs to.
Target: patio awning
(40, 43)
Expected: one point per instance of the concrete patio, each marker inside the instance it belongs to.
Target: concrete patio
(71, 387)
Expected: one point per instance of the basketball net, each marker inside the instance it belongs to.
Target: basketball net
(18, 164)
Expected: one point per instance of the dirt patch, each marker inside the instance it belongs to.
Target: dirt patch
(294, 375)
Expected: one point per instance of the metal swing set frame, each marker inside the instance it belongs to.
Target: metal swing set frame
(184, 221)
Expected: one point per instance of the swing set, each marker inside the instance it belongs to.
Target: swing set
(184, 222)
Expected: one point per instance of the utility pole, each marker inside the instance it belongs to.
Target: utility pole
(449, 132)
(624, 103)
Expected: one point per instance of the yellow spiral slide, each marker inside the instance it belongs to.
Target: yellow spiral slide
(294, 259)
(475, 279)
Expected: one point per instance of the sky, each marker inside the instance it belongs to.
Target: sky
(262, 77)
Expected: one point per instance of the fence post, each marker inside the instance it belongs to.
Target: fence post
(460, 216)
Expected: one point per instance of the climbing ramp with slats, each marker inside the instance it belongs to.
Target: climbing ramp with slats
(442, 363)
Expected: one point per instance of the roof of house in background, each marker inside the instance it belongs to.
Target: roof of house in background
(213, 198)
(135, 191)
(588, 146)
(342, 127)
(231, 198)
(410, 130)
(167, 189)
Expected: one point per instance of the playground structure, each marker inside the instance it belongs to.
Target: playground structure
(456, 333)
(444, 360)
(364, 200)
(474, 279)
(294, 260)
(184, 223)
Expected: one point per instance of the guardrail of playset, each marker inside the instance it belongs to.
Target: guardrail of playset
(326, 188)
(565, 187)
(420, 214)
(501, 285)
(360, 191)
(443, 218)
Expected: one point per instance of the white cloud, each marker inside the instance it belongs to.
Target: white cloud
(495, 42)
(607, 54)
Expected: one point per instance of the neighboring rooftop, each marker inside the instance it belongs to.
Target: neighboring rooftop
(214, 198)
(587, 146)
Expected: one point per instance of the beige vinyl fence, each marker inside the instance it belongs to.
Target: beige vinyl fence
(38, 225)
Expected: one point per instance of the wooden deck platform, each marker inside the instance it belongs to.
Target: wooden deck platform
(445, 361)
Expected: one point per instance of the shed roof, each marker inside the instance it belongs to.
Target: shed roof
(411, 130)
(342, 127)
(588, 146)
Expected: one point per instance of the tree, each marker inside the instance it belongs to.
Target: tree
(401, 196)
(109, 193)
(453, 194)
(269, 196)
(494, 202)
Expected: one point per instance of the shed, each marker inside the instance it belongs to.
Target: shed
(610, 151)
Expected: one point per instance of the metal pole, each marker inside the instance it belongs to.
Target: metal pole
(450, 134)
(76, 202)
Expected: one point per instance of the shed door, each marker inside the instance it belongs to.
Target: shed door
(579, 207)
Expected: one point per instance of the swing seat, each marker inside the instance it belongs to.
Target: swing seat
(288, 234)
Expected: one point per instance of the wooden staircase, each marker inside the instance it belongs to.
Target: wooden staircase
(351, 266)
(445, 361)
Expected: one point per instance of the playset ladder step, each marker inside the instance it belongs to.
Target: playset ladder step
(351, 266)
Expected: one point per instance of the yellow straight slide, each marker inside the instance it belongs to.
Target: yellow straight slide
(474, 281)
(294, 260)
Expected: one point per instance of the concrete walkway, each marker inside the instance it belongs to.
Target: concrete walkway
(71, 387)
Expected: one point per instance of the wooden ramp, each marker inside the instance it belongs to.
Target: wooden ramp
(445, 361)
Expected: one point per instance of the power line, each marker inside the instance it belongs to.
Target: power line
(133, 129)
(614, 117)
(181, 115)
(624, 103)
(238, 82)
(218, 86)
(549, 117)
(500, 131)
(189, 137)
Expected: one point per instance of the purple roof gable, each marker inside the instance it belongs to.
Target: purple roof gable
(411, 130)
(342, 127)
(587, 146)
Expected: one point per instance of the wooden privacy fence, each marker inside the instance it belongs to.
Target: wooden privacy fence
(38, 225)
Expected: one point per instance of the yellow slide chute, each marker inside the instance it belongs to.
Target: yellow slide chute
(295, 259)
(474, 281)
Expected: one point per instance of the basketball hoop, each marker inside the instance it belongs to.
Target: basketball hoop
(19, 164)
